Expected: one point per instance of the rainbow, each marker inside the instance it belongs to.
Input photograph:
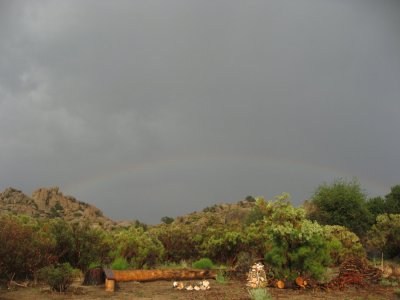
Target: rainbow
(186, 162)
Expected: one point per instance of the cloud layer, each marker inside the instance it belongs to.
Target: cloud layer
(154, 108)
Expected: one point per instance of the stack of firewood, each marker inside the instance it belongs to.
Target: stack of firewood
(257, 278)
(355, 271)
(198, 286)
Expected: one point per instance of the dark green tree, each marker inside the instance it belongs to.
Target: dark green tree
(393, 200)
(167, 220)
(377, 206)
(388, 205)
(341, 203)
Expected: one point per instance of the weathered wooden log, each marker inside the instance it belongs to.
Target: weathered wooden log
(167, 274)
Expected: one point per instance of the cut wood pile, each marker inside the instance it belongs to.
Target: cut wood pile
(355, 271)
(257, 278)
(189, 286)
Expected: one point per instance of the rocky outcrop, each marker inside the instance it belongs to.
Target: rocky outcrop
(51, 203)
(13, 200)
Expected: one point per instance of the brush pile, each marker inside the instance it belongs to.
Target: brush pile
(355, 271)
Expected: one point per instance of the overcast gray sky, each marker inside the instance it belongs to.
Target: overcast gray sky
(158, 108)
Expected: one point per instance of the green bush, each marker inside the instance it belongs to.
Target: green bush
(298, 246)
(204, 263)
(259, 294)
(346, 243)
(25, 248)
(59, 278)
(140, 248)
(120, 263)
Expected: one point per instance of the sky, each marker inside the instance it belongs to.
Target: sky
(152, 108)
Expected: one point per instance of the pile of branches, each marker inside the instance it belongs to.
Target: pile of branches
(355, 271)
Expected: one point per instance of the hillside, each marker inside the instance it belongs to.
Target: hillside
(230, 214)
(51, 203)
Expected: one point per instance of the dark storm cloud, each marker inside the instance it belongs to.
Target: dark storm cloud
(163, 107)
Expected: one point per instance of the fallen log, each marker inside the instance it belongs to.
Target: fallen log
(167, 274)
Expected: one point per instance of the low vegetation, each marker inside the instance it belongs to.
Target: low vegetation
(338, 222)
(59, 278)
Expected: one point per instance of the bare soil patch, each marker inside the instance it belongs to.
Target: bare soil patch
(162, 290)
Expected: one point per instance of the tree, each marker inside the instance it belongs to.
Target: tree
(24, 247)
(385, 235)
(140, 248)
(388, 205)
(341, 203)
(298, 245)
(393, 200)
(167, 220)
(177, 241)
(377, 206)
(79, 244)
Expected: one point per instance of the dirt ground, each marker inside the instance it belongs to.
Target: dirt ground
(162, 290)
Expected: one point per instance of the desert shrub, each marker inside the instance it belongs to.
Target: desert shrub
(140, 248)
(203, 263)
(384, 236)
(244, 261)
(120, 263)
(298, 246)
(79, 244)
(344, 243)
(222, 244)
(259, 294)
(59, 278)
(254, 215)
(177, 241)
(25, 247)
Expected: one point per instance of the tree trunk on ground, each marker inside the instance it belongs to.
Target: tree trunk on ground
(150, 275)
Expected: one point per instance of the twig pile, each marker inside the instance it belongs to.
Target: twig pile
(355, 271)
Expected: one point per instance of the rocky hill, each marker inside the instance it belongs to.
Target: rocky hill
(230, 214)
(51, 203)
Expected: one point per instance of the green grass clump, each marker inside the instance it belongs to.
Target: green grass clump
(259, 294)
(204, 263)
(221, 278)
(120, 263)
